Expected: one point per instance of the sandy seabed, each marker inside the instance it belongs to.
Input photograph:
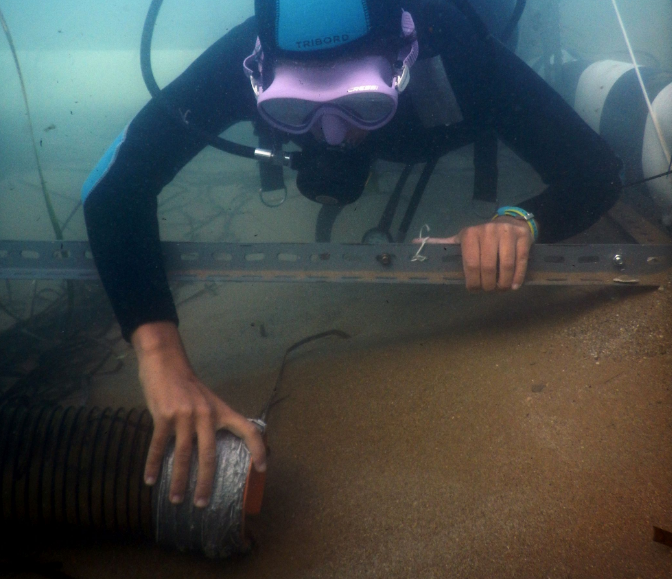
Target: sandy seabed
(454, 435)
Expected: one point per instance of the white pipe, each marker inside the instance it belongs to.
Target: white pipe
(594, 87)
(661, 139)
(653, 160)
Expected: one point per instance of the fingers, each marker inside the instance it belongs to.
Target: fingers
(207, 455)
(220, 416)
(522, 257)
(439, 240)
(184, 442)
(471, 258)
(203, 422)
(157, 448)
(489, 253)
(183, 429)
(495, 255)
(507, 259)
(250, 434)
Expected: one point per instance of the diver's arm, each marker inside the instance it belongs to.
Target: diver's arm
(120, 206)
(495, 89)
(184, 407)
(120, 198)
(581, 170)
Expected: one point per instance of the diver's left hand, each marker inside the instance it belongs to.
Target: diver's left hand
(494, 254)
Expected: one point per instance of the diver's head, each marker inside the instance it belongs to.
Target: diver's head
(331, 67)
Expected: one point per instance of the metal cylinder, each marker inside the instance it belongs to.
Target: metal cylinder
(84, 467)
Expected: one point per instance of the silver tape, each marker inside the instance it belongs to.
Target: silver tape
(218, 529)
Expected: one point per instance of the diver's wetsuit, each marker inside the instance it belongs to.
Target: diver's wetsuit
(494, 89)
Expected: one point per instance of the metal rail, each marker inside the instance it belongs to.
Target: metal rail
(608, 264)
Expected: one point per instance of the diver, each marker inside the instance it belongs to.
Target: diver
(332, 76)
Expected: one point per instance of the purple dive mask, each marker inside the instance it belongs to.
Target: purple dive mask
(347, 92)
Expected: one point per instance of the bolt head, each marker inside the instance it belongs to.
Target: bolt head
(385, 258)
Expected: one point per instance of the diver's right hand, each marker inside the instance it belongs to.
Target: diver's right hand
(182, 406)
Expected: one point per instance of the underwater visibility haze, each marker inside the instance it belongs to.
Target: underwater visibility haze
(410, 427)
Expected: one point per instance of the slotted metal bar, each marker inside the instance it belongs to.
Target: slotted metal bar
(608, 264)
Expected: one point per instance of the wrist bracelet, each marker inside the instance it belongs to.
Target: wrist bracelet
(518, 213)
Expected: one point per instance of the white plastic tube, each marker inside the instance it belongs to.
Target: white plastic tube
(659, 132)
(654, 160)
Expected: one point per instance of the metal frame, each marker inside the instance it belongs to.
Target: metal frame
(558, 264)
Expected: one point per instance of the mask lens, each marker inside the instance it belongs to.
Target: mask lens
(366, 107)
(295, 113)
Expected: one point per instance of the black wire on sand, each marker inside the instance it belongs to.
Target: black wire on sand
(272, 399)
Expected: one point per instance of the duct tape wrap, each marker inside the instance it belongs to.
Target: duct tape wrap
(217, 530)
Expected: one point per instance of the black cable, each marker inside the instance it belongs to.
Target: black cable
(41, 363)
(513, 21)
(473, 17)
(146, 48)
(387, 217)
(272, 399)
(665, 174)
(413, 204)
(148, 76)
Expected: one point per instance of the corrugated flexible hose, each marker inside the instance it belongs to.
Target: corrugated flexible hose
(84, 467)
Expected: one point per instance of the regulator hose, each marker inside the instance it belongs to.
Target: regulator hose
(148, 76)
(513, 21)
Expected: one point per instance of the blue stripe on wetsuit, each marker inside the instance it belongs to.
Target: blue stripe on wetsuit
(103, 166)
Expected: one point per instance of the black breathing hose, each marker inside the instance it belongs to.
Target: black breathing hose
(146, 48)
(513, 21)
(473, 17)
(148, 76)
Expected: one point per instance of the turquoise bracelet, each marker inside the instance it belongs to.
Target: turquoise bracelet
(519, 213)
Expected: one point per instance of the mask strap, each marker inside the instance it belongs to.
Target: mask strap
(253, 64)
(253, 67)
(408, 54)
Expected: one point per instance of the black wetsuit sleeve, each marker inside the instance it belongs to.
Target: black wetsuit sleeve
(121, 207)
(497, 90)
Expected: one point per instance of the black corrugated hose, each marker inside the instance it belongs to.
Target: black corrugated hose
(75, 466)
